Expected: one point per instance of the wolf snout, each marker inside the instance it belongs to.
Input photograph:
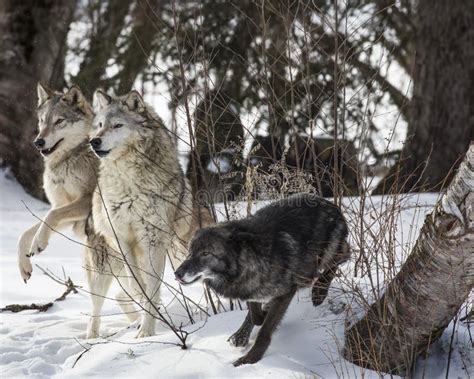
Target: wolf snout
(178, 275)
(183, 276)
(95, 143)
(39, 143)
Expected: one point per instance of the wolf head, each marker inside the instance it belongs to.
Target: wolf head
(120, 124)
(64, 120)
(215, 255)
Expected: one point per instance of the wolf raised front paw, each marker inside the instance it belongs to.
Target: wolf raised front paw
(40, 241)
(25, 268)
(239, 339)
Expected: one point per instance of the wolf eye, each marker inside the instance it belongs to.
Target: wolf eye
(116, 126)
(59, 121)
(100, 125)
(205, 253)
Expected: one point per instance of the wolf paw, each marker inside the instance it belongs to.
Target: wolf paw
(93, 327)
(25, 268)
(40, 241)
(247, 359)
(92, 334)
(142, 333)
(239, 339)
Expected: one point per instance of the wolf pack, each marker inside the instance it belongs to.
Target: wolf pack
(112, 173)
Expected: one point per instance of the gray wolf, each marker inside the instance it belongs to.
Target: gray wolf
(69, 180)
(64, 120)
(264, 259)
(143, 205)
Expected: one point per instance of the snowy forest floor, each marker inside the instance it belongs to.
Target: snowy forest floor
(307, 343)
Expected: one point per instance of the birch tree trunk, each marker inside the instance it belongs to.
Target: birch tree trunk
(429, 289)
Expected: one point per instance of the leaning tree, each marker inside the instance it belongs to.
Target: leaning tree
(430, 288)
(438, 276)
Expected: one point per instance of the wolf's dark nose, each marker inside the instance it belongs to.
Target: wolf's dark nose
(95, 143)
(39, 143)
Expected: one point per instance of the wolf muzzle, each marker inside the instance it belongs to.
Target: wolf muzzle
(96, 143)
(39, 143)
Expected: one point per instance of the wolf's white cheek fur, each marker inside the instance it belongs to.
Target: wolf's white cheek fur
(191, 277)
(207, 274)
(72, 135)
(75, 133)
(115, 138)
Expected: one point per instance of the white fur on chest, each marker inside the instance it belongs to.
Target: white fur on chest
(131, 205)
(62, 188)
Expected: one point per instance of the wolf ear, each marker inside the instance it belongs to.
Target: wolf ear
(44, 93)
(74, 96)
(134, 101)
(101, 100)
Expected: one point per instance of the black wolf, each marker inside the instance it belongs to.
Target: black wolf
(264, 259)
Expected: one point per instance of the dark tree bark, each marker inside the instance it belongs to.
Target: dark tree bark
(137, 57)
(428, 291)
(441, 122)
(103, 45)
(33, 46)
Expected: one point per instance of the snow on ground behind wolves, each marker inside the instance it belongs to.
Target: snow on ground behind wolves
(48, 344)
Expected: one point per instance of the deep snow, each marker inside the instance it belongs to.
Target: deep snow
(48, 344)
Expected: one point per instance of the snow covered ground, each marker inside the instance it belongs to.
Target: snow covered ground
(48, 344)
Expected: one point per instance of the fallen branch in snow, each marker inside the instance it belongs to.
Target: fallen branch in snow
(70, 287)
(15, 308)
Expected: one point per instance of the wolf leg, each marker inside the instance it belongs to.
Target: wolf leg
(101, 268)
(257, 313)
(255, 316)
(126, 303)
(99, 284)
(152, 283)
(242, 335)
(132, 284)
(276, 310)
(24, 244)
(59, 217)
(321, 286)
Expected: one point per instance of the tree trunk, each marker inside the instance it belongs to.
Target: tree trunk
(102, 47)
(146, 26)
(33, 46)
(429, 289)
(440, 116)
